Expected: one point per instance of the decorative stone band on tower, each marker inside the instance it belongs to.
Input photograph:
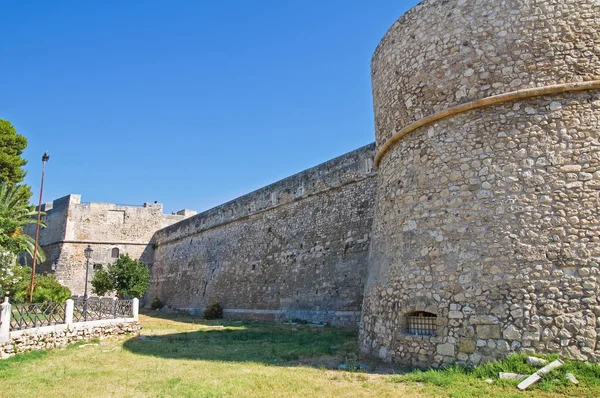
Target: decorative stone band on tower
(486, 231)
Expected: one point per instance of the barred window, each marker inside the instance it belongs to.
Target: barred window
(114, 253)
(421, 323)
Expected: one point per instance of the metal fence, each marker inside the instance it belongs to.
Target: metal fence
(96, 308)
(26, 316)
(77, 309)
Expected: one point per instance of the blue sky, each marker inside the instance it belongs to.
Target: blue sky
(190, 103)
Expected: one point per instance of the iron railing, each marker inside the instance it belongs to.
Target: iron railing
(124, 308)
(26, 316)
(33, 315)
(96, 308)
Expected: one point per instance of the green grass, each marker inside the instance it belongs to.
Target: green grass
(185, 356)
(456, 381)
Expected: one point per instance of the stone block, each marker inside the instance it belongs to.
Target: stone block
(446, 349)
(511, 333)
(467, 346)
(483, 320)
(488, 331)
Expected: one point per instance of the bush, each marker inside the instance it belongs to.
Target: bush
(213, 311)
(156, 304)
(46, 288)
(14, 279)
(126, 277)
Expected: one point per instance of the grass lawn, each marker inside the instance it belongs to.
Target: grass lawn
(185, 356)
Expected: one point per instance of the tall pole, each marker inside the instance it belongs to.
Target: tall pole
(88, 254)
(85, 296)
(45, 158)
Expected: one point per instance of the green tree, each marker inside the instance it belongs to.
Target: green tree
(126, 277)
(11, 149)
(15, 214)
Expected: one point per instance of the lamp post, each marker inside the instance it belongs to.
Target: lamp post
(45, 158)
(88, 254)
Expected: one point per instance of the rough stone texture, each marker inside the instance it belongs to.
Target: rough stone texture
(44, 341)
(73, 225)
(443, 53)
(489, 218)
(294, 249)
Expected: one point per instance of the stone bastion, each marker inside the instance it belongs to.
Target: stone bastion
(486, 230)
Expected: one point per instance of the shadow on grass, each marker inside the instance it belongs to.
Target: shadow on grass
(176, 316)
(266, 343)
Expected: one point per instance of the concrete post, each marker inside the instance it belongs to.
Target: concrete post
(114, 306)
(69, 312)
(5, 320)
(136, 308)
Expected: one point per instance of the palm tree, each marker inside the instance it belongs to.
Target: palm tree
(15, 214)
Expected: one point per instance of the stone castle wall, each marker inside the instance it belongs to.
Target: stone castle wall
(73, 225)
(481, 223)
(294, 249)
(486, 214)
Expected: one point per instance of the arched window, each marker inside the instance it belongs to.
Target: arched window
(114, 252)
(420, 323)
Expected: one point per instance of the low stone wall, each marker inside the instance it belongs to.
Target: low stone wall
(47, 337)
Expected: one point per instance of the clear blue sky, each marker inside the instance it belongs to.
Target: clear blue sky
(190, 103)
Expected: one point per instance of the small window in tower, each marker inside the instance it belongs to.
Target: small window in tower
(421, 323)
(114, 253)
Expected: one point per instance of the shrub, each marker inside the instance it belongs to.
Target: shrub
(156, 304)
(14, 279)
(126, 277)
(213, 311)
(46, 288)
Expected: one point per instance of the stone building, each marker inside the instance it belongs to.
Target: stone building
(477, 234)
(486, 232)
(110, 229)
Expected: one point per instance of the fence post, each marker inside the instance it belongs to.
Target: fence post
(69, 313)
(135, 307)
(5, 320)
(115, 303)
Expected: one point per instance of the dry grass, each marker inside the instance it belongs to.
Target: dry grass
(183, 356)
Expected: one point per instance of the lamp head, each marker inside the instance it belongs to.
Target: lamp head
(88, 252)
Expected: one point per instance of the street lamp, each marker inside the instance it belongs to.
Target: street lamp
(45, 158)
(88, 254)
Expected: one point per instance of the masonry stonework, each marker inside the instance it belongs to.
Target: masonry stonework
(73, 225)
(478, 234)
(294, 249)
(486, 218)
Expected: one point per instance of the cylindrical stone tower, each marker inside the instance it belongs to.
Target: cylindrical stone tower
(487, 226)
